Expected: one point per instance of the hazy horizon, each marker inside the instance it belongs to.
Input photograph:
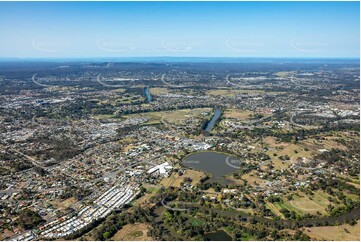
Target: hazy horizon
(179, 29)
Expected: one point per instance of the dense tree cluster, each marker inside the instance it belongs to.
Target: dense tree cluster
(116, 221)
(28, 219)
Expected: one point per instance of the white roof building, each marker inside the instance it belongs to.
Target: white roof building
(162, 168)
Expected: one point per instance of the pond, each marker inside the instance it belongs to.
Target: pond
(219, 235)
(214, 163)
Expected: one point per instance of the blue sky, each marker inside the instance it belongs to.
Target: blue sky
(197, 29)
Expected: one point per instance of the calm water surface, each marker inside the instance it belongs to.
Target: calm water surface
(217, 114)
(219, 235)
(147, 94)
(210, 162)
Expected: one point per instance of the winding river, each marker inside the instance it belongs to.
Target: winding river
(147, 94)
(209, 126)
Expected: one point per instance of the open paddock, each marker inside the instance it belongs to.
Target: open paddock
(133, 232)
(175, 180)
(302, 204)
(176, 117)
(237, 114)
(344, 232)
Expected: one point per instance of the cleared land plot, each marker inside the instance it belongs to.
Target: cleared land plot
(237, 114)
(164, 91)
(316, 145)
(129, 99)
(303, 149)
(284, 73)
(132, 232)
(302, 204)
(232, 92)
(253, 179)
(159, 91)
(175, 180)
(64, 204)
(129, 147)
(294, 151)
(177, 117)
(277, 163)
(338, 233)
(151, 191)
(273, 143)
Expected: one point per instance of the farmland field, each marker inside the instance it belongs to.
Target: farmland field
(341, 232)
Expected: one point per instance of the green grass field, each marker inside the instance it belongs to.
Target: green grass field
(302, 204)
(195, 221)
